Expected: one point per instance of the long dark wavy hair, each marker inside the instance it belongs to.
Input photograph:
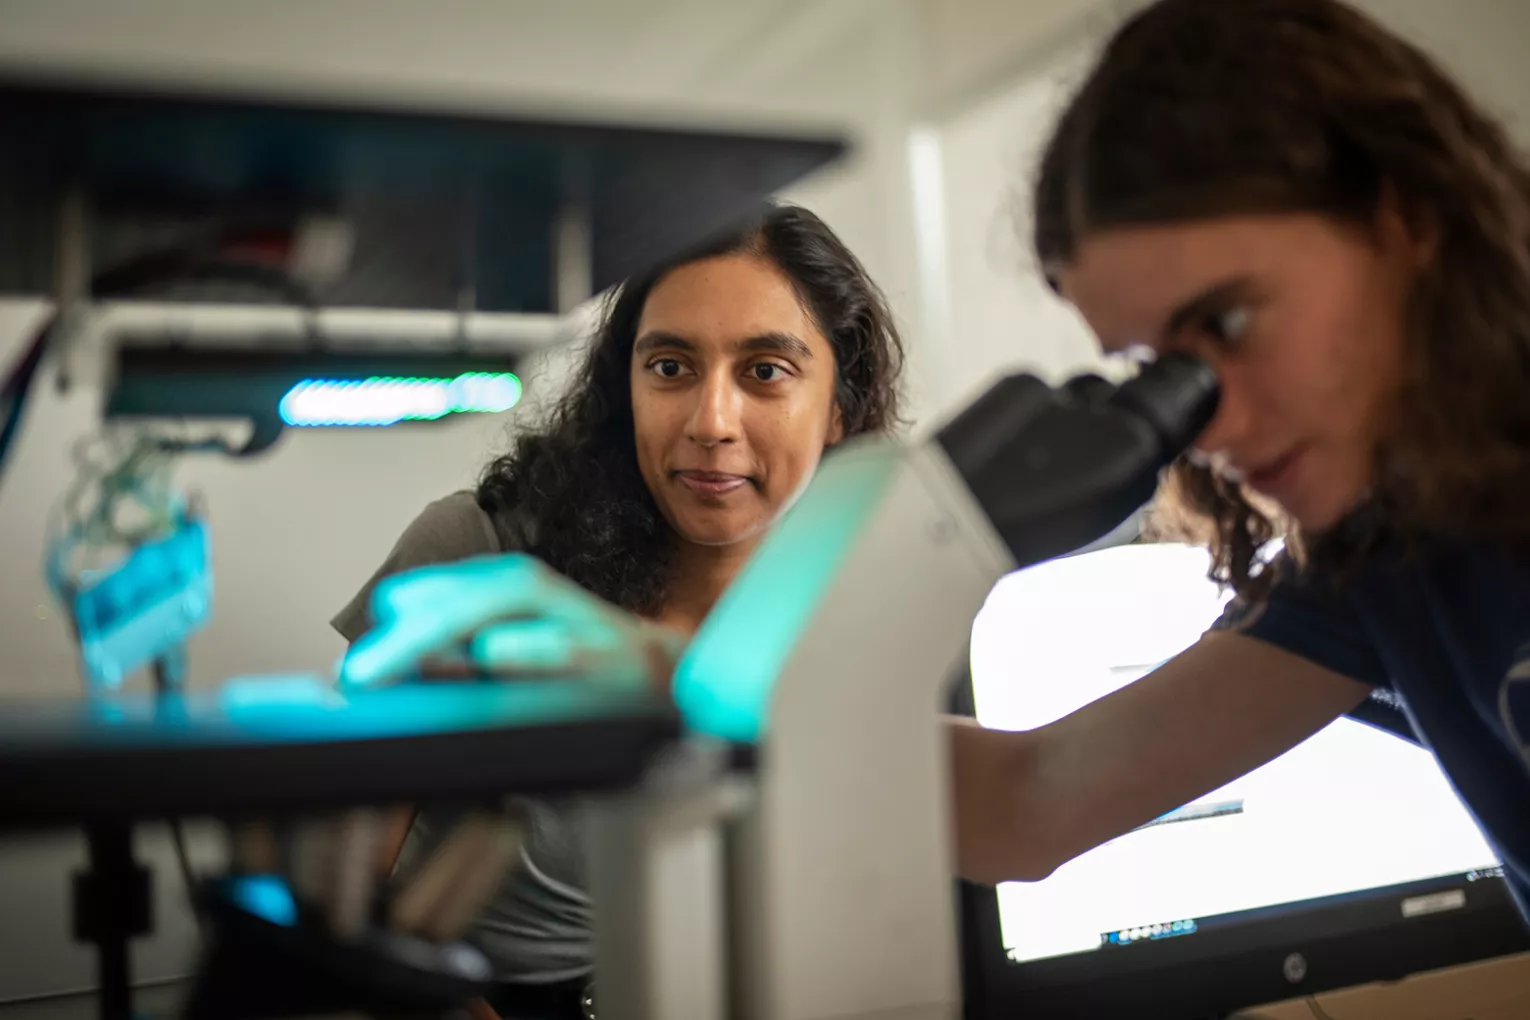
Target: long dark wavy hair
(1202, 108)
(570, 493)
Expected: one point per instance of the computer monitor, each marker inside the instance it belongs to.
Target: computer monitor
(1346, 860)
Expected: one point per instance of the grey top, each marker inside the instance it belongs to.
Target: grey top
(537, 929)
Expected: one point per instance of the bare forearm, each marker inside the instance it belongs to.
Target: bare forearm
(998, 824)
(1025, 803)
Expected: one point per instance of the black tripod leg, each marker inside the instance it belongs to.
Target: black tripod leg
(111, 906)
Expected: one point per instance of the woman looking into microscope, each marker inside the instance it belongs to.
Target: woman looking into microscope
(1310, 204)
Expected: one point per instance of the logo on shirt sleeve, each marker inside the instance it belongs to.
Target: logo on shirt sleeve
(1514, 702)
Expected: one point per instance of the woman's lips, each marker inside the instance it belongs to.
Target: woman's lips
(1276, 476)
(711, 483)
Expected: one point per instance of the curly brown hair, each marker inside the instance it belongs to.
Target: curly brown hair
(570, 492)
(1203, 108)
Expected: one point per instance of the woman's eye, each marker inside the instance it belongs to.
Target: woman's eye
(766, 372)
(666, 368)
(1229, 326)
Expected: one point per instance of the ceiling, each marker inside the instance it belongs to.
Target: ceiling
(674, 55)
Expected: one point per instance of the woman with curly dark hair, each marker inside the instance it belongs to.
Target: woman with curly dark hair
(649, 448)
(712, 389)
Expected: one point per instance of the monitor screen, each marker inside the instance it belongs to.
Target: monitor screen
(1351, 809)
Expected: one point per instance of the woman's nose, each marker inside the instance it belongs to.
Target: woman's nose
(1228, 430)
(716, 417)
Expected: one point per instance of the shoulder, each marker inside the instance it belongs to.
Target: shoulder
(1291, 586)
(1301, 591)
(1306, 612)
(451, 528)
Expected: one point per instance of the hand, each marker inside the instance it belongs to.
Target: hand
(504, 616)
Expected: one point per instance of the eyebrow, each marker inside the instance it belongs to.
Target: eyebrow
(778, 343)
(661, 341)
(774, 342)
(1205, 304)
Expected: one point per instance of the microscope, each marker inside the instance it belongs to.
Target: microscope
(829, 657)
(773, 845)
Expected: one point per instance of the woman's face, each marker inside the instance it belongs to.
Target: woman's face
(732, 397)
(1303, 320)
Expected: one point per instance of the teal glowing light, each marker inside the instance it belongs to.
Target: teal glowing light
(386, 400)
(725, 681)
(265, 896)
(308, 710)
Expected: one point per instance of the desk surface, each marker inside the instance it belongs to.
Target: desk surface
(294, 745)
(1496, 989)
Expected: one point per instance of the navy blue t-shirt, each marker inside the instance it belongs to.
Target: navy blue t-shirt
(1444, 636)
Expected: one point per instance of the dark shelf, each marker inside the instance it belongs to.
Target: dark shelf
(436, 200)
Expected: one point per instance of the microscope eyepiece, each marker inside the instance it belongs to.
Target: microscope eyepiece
(1090, 389)
(1054, 469)
(1176, 395)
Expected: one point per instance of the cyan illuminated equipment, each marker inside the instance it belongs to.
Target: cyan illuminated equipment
(143, 609)
(274, 388)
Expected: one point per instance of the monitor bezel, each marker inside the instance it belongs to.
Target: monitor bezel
(1341, 941)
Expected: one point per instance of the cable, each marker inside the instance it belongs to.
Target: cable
(183, 859)
(1317, 1008)
(165, 684)
(13, 393)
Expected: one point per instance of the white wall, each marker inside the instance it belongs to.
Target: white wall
(1002, 315)
(976, 47)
